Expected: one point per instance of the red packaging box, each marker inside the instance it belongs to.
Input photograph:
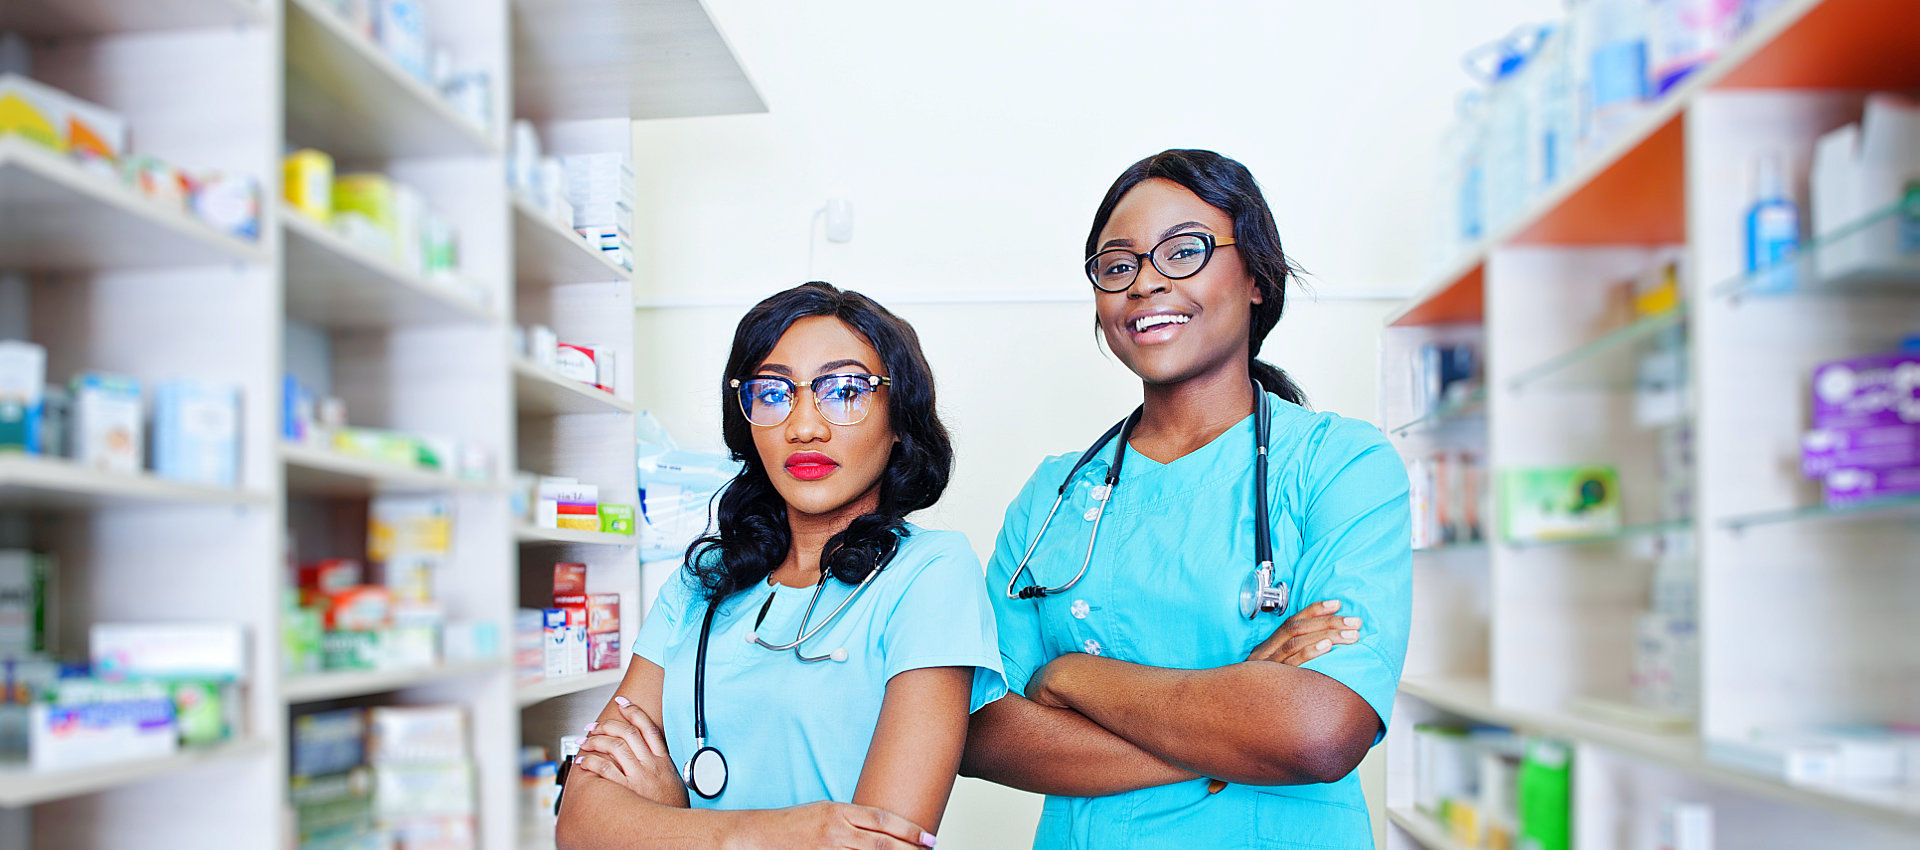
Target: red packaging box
(603, 651)
(575, 606)
(603, 613)
(569, 580)
(331, 576)
(363, 608)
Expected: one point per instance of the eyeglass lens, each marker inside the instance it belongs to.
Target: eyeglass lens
(841, 399)
(1181, 255)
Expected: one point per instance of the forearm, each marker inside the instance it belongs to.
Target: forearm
(596, 814)
(1022, 744)
(1255, 723)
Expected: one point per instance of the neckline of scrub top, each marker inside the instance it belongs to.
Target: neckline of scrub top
(1145, 482)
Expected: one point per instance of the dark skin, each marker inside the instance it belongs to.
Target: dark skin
(1093, 726)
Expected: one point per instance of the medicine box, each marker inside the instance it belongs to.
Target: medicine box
(416, 733)
(329, 742)
(108, 423)
(80, 722)
(1875, 391)
(307, 181)
(1559, 503)
(569, 579)
(23, 377)
(616, 519)
(603, 613)
(603, 651)
(576, 362)
(48, 116)
(1824, 450)
(1848, 486)
(26, 603)
(554, 642)
(196, 432)
(405, 790)
(169, 651)
(366, 607)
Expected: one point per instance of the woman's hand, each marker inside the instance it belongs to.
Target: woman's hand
(633, 754)
(827, 826)
(1308, 635)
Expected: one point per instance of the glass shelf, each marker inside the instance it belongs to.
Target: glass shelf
(1872, 509)
(1878, 255)
(1473, 405)
(1625, 532)
(1605, 362)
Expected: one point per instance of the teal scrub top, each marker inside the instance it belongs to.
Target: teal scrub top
(1163, 590)
(794, 732)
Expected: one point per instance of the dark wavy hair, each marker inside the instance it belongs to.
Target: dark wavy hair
(751, 536)
(1228, 186)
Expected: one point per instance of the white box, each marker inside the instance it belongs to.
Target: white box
(554, 642)
(215, 651)
(576, 650)
(196, 432)
(416, 733)
(90, 723)
(108, 426)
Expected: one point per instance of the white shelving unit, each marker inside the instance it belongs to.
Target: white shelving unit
(1540, 635)
(123, 284)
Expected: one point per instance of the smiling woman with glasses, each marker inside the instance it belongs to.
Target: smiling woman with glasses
(805, 679)
(1203, 616)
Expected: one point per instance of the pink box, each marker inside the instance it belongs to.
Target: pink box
(603, 651)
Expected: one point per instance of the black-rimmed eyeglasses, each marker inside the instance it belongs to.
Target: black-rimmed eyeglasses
(767, 400)
(1177, 257)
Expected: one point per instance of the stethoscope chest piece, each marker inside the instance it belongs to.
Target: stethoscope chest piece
(706, 773)
(1260, 595)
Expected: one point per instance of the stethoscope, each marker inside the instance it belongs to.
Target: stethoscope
(705, 772)
(1259, 593)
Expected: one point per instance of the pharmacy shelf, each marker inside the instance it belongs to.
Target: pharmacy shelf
(1630, 192)
(314, 687)
(1809, 273)
(1894, 507)
(1425, 830)
(548, 253)
(320, 472)
(55, 212)
(547, 689)
(661, 59)
(538, 389)
(1629, 531)
(334, 283)
(24, 786)
(533, 535)
(1473, 406)
(37, 19)
(1601, 362)
(33, 483)
(1684, 753)
(1448, 548)
(346, 97)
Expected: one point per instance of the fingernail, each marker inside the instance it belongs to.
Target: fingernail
(1349, 635)
(1333, 605)
(590, 726)
(623, 702)
(1323, 645)
(927, 839)
(1353, 622)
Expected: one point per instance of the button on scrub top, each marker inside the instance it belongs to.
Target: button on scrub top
(1163, 590)
(798, 733)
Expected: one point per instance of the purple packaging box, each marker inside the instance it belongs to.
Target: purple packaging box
(1825, 450)
(1847, 486)
(1867, 392)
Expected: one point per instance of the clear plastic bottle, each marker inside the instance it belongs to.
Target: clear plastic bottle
(1773, 227)
(1610, 67)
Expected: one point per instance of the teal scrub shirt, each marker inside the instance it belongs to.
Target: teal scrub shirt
(798, 733)
(1163, 590)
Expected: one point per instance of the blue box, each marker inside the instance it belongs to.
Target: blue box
(196, 432)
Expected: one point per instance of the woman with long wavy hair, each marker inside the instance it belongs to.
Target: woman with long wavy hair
(809, 673)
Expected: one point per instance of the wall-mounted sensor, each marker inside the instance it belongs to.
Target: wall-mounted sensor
(839, 213)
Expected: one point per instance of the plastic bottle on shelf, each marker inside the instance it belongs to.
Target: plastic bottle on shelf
(1505, 67)
(1610, 67)
(1551, 118)
(1460, 221)
(1773, 227)
(1683, 35)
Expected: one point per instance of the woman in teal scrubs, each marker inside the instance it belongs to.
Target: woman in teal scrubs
(851, 738)
(1146, 705)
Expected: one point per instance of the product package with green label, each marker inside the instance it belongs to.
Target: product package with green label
(1559, 503)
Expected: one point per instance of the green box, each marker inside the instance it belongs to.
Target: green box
(616, 519)
(203, 713)
(1559, 503)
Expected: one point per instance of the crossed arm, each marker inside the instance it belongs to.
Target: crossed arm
(1092, 726)
(627, 792)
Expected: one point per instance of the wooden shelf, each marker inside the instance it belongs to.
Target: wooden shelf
(23, 786)
(542, 691)
(36, 482)
(55, 213)
(334, 283)
(1684, 753)
(532, 534)
(1424, 830)
(661, 59)
(326, 473)
(346, 97)
(1631, 193)
(314, 687)
(37, 19)
(537, 389)
(545, 252)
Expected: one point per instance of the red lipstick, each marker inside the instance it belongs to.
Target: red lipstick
(810, 466)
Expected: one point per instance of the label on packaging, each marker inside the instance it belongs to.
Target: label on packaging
(603, 651)
(554, 642)
(569, 579)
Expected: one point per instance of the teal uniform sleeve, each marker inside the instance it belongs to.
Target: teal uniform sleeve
(941, 619)
(1357, 543)
(664, 618)
(1022, 652)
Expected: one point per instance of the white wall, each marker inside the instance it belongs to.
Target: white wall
(975, 140)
